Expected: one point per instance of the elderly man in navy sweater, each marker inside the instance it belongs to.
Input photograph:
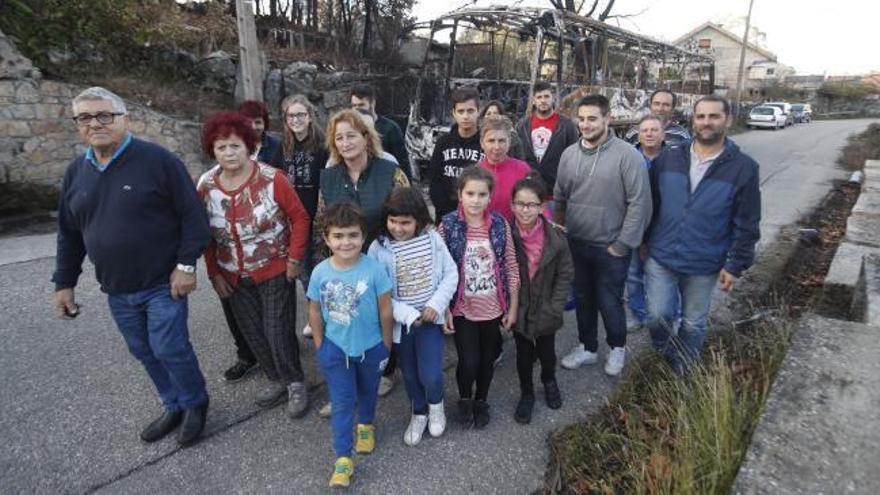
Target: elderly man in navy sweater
(131, 206)
(707, 214)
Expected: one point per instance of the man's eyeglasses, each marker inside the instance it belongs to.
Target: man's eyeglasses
(104, 118)
(292, 117)
(526, 206)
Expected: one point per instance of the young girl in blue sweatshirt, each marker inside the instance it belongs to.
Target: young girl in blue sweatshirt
(423, 280)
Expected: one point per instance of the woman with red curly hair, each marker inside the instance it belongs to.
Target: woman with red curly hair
(259, 231)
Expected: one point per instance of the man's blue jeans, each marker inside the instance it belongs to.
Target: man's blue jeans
(635, 287)
(664, 287)
(599, 279)
(154, 326)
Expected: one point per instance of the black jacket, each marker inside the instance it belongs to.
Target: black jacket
(542, 299)
(565, 134)
(452, 154)
(394, 142)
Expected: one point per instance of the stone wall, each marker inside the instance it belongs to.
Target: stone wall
(38, 137)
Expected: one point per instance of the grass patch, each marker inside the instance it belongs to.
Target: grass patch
(662, 434)
(861, 147)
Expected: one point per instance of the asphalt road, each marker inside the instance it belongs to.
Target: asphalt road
(73, 400)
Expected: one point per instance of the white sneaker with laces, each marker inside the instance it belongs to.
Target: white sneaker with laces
(579, 357)
(413, 434)
(436, 419)
(615, 361)
(385, 386)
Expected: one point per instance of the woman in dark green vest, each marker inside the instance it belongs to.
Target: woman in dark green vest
(360, 177)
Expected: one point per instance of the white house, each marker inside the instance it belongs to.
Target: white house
(761, 66)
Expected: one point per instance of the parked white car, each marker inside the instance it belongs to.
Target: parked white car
(785, 107)
(766, 116)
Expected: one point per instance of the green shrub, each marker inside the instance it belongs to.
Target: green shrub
(845, 90)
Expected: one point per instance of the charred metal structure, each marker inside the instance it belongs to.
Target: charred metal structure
(488, 47)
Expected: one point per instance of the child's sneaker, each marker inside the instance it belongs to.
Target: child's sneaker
(326, 411)
(366, 439)
(481, 414)
(436, 419)
(523, 414)
(413, 434)
(465, 416)
(307, 331)
(342, 472)
(552, 395)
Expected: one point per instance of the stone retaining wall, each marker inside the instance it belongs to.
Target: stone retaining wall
(38, 138)
(862, 238)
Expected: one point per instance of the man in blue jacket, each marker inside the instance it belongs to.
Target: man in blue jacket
(707, 211)
(132, 207)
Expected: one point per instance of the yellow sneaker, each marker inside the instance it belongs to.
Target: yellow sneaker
(342, 472)
(366, 439)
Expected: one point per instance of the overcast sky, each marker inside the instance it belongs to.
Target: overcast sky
(813, 36)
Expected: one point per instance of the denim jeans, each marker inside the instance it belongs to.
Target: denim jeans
(664, 287)
(635, 287)
(353, 383)
(599, 279)
(420, 355)
(154, 326)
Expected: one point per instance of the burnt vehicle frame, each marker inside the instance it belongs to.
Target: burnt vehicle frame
(578, 55)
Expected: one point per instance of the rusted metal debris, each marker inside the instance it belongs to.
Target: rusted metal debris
(579, 54)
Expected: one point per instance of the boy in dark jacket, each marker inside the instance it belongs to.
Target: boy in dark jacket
(455, 151)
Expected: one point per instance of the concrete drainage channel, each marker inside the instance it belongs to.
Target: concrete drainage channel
(820, 430)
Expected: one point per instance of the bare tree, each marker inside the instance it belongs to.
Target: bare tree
(570, 6)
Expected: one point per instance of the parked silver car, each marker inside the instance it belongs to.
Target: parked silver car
(766, 116)
(785, 107)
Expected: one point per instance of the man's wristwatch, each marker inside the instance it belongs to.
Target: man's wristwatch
(186, 268)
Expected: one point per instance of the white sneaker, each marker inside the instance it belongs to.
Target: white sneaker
(385, 386)
(614, 363)
(579, 357)
(436, 419)
(307, 330)
(326, 411)
(413, 434)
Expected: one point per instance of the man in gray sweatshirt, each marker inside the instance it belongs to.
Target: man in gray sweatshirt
(603, 197)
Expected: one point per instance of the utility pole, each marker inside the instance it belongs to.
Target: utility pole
(248, 51)
(742, 58)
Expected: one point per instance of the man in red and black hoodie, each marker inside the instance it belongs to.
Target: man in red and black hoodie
(546, 133)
